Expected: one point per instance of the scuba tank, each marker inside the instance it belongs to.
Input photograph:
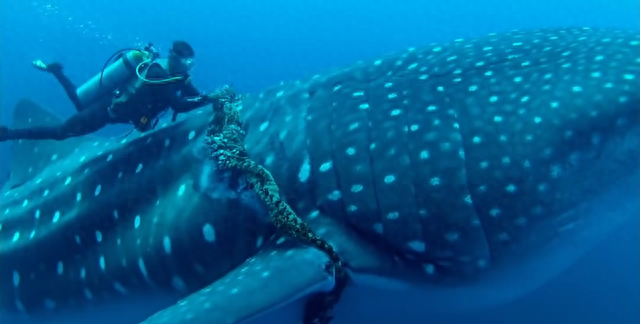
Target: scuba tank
(114, 75)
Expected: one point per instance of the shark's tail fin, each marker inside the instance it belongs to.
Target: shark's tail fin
(29, 158)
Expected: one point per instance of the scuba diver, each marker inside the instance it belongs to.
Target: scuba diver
(137, 88)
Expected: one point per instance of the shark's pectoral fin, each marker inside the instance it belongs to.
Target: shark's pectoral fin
(271, 279)
(31, 157)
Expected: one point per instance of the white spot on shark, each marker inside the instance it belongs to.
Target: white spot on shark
(119, 288)
(264, 126)
(178, 284)
(143, 269)
(305, 170)
(429, 268)
(56, 217)
(393, 215)
(326, 166)
(16, 278)
(209, 233)
(418, 246)
(166, 243)
(259, 241)
(335, 195)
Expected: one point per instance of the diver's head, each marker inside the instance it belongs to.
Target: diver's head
(181, 58)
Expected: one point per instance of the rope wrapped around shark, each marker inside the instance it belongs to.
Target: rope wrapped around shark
(225, 138)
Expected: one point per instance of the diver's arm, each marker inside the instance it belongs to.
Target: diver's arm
(189, 90)
(190, 98)
(186, 104)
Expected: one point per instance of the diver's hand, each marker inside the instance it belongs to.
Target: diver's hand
(211, 97)
(206, 98)
(223, 93)
(198, 99)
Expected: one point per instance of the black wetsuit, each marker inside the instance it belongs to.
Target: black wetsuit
(141, 109)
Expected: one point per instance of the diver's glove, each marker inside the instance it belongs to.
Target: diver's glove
(54, 67)
(224, 93)
(199, 99)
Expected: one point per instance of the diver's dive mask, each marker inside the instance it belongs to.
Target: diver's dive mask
(184, 63)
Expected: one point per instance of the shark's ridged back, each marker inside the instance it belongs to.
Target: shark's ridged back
(424, 149)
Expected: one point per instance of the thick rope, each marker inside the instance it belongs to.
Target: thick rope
(225, 137)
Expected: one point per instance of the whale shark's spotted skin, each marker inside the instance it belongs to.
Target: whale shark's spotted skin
(484, 166)
(454, 153)
(89, 221)
(466, 170)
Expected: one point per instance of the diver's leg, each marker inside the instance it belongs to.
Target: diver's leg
(82, 123)
(57, 70)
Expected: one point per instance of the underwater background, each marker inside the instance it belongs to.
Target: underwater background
(256, 44)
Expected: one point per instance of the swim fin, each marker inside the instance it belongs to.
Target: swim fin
(51, 68)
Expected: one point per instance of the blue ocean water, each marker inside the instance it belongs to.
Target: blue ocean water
(257, 44)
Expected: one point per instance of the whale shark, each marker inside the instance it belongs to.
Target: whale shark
(456, 175)
(78, 228)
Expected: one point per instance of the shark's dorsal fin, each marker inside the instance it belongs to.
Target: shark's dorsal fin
(30, 157)
(273, 278)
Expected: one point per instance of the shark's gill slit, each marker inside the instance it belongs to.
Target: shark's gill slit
(413, 166)
(332, 154)
(370, 159)
(474, 207)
